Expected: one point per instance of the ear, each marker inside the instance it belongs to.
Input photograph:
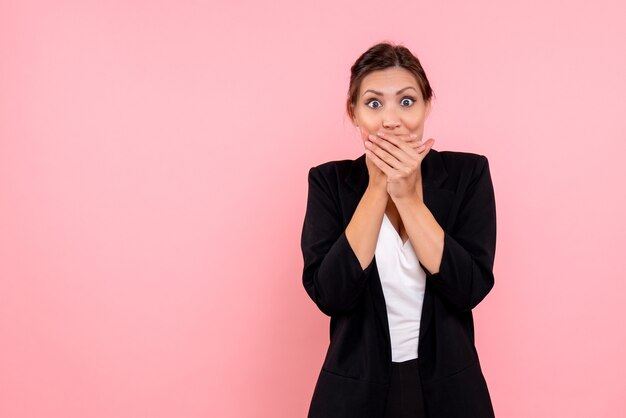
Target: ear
(354, 122)
(348, 112)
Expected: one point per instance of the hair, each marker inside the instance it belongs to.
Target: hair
(379, 57)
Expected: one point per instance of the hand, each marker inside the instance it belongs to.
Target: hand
(377, 178)
(399, 158)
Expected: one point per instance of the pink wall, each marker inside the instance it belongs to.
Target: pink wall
(153, 161)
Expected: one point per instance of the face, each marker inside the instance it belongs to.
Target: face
(391, 101)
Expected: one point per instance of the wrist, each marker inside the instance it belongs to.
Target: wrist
(377, 191)
(412, 199)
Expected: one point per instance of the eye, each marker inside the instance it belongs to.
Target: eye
(405, 98)
(372, 101)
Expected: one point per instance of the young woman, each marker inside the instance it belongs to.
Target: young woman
(398, 249)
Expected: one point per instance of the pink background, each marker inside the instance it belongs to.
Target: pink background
(153, 162)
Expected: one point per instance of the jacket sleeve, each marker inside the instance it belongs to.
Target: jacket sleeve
(465, 275)
(332, 275)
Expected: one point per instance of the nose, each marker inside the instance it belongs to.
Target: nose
(390, 120)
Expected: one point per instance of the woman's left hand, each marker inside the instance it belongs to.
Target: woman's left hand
(400, 160)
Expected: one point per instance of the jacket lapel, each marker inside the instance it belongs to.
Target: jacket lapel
(437, 199)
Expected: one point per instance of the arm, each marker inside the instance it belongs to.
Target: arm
(364, 227)
(334, 273)
(464, 272)
(423, 229)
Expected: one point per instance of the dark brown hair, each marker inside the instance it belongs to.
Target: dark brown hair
(378, 57)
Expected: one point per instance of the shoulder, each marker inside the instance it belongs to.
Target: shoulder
(460, 163)
(335, 166)
(334, 171)
(462, 159)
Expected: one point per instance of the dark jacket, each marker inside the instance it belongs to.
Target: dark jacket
(354, 378)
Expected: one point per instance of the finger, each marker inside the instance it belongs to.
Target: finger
(430, 140)
(425, 153)
(414, 141)
(417, 146)
(385, 155)
(426, 147)
(401, 150)
(422, 143)
(379, 163)
(406, 142)
(406, 137)
(397, 139)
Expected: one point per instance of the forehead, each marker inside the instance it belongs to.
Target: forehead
(389, 80)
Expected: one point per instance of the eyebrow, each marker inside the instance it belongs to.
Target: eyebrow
(380, 94)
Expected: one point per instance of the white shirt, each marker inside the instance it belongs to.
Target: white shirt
(404, 282)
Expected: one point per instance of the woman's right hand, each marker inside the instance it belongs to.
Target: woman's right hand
(377, 177)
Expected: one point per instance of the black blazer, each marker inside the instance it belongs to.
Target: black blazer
(354, 378)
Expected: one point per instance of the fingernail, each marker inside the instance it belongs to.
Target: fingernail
(380, 133)
(413, 136)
